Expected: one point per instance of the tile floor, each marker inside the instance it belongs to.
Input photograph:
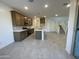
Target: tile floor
(53, 47)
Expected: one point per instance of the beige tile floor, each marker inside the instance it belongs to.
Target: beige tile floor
(53, 47)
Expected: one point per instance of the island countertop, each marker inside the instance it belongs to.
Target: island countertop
(39, 29)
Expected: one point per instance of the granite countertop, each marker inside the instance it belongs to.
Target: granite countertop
(19, 30)
(40, 29)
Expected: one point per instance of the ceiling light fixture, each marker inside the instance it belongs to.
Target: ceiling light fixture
(35, 16)
(26, 8)
(25, 17)
(46, 6)
(45, 16)
(56, 14)
(68, 5)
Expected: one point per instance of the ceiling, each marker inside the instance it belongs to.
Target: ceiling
(36, 8)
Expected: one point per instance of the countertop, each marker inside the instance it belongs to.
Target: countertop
(19, 30)
(40, 29)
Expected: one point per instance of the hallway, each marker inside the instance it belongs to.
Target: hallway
(53, 47)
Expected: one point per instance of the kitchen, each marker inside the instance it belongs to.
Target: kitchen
(20, 19)
(23, 26)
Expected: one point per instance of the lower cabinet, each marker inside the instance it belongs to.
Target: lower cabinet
(19, 36)
(30, 31)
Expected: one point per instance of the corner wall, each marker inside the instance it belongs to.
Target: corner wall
(6, 31)
(71, 26)
(52, 24)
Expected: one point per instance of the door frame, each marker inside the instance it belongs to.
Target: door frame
(77, 14)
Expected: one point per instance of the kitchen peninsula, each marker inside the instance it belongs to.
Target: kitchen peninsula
(40, 33)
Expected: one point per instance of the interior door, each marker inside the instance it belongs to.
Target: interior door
(76, 45)
(76, 50)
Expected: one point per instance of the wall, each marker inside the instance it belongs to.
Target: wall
(71, 26)
(52, 24)
(6, 31)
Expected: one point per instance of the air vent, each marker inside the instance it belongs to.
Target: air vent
(31, 0)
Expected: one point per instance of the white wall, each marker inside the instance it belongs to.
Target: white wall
(6, 31)
(53, 23)
(71, 26)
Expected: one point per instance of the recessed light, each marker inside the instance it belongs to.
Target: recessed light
(68, 5)
(56, 14)
(35, 16)
(45, 16)
(46, 6)
(26, 8)
(25, 17)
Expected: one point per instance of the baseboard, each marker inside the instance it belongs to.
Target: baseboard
(3, 46)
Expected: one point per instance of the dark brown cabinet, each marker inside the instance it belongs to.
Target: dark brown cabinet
(42, 20)
(20, 20)
(17, 18)
(28, 21)
(30, 31)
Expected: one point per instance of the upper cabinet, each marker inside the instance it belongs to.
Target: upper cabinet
(28, 21)
(20, 20)
(42, 20)
(17, 18)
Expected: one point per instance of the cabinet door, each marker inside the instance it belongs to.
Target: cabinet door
(42, 20)
(26, 22)
(17, 19)
(29, 22)
(22, 20)
(13, 18)
(18, 23)
(23, 35)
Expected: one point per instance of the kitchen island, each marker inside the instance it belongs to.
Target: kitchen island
(40, 33)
